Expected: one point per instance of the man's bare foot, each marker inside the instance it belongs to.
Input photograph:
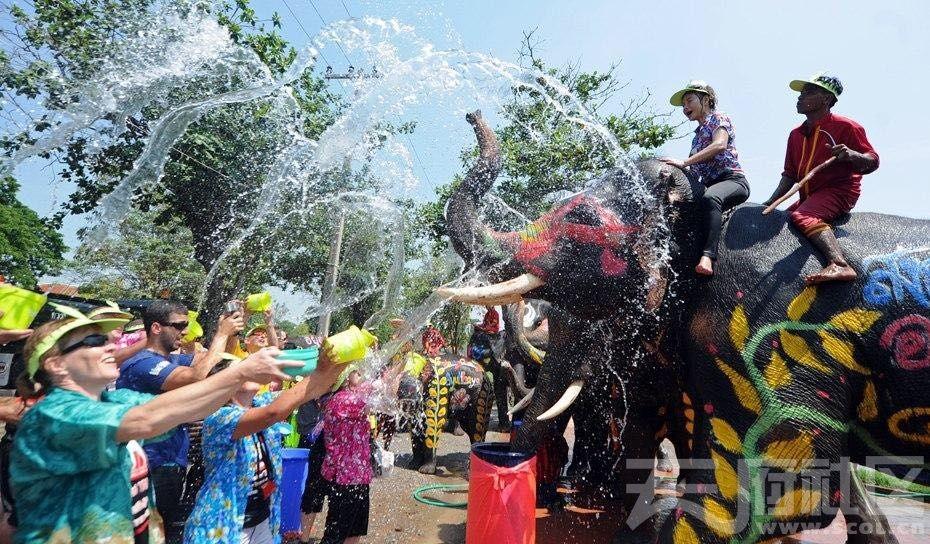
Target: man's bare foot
(832, 272)
(705, 266)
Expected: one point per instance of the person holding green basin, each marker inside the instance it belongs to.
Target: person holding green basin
(240, 500)
(77, 472)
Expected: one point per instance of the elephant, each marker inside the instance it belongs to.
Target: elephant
(445, 392)
(768, 388)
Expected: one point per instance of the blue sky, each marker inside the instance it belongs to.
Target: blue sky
(747, 50)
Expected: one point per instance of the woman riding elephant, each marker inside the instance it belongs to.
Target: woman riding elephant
(713, 160)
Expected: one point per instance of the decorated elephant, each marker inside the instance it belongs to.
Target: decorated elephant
(767, 387)
(445, 392)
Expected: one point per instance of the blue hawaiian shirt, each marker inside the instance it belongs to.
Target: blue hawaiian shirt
(70, 476)
(728, 159)
(219, 512)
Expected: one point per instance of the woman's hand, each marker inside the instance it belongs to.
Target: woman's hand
(674, 162)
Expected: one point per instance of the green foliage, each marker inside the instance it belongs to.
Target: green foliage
(29, 247)
(146, 259)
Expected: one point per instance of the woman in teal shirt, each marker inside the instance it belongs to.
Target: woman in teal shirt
(76, 471)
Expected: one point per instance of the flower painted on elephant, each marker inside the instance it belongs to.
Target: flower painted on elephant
(868, 407)
(911, 425)
(908, 339)
(896, 278)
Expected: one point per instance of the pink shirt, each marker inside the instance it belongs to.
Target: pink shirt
(348, 436)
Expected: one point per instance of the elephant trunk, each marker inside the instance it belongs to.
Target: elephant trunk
(516, 381)
(469, 235)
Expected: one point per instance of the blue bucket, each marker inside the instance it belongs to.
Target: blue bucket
(499, 454)
(293, 478)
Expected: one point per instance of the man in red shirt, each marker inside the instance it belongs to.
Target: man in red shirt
(833, 191)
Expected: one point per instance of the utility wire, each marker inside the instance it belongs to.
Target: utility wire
(416, 154)
(310, 38)
(325, 24)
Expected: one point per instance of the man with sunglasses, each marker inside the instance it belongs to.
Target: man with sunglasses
(155, 370)
(833, 191)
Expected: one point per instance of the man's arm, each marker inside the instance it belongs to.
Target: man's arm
(124, 354)
(270, 331)
(864, 163)
(228, 326)
(200, 399)
(783, 187)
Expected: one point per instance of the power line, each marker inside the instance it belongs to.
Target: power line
(325, 24)
(416, 154)
(310, 38)
(345, 8)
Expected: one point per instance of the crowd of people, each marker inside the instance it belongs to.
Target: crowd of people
(98, 439)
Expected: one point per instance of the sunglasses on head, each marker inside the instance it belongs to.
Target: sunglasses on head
(90, 341)
(179, 325)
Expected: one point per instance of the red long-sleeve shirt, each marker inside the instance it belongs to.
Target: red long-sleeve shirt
(808, 147)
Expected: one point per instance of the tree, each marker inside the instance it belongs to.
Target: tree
(29, 246)
(215, 172)
(146, 259)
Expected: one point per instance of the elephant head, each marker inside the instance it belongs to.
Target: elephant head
(602, 258)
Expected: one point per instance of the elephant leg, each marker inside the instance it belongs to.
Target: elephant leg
(500, 399)
(436, 403)
(387, 426)
(864, 520)
(481, 411)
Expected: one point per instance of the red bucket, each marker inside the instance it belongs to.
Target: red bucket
(501, 496)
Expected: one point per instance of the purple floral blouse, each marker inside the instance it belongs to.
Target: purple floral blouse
(347, 433)
(728, 159)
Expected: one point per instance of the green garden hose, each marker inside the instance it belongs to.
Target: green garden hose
(445, 488)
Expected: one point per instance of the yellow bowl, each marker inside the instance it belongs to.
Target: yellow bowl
(19, 306)
(349, 345)
(194, 329)
(258, 302)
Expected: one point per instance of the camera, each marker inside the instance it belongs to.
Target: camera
(232, 307)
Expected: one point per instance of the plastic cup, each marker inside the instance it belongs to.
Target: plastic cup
(19, 306)
(306, 356)
(349, 345)
(194, 329)
(258, 302)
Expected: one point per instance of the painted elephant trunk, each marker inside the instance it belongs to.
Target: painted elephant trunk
(464, 227)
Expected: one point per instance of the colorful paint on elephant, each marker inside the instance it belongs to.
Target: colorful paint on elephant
(897, 278)
(787, 347)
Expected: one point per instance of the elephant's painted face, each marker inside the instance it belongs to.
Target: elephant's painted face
(581, 256)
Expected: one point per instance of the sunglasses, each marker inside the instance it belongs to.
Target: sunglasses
(179, 325)
(89, 341)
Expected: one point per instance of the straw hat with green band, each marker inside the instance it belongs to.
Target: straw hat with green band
(822, 80)
(78, 320)
(694, 86)
(111, 310)
(344, 375)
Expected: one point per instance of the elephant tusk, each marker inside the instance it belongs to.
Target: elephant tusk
(506, 292)
(524, 402)
(564, 403)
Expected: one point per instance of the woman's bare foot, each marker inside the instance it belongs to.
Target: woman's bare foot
(705, 266)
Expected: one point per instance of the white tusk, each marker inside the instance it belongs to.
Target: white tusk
(524, 402)
(506, 292)
(574, 389)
